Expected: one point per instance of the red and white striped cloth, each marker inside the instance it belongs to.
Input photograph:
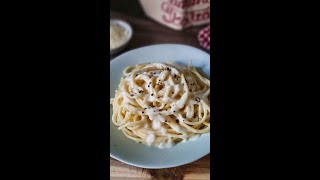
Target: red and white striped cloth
(204, 38)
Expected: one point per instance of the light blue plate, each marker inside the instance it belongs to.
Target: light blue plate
(140, 155)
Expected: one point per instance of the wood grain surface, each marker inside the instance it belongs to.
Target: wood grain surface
(198, 170)
(148, 32)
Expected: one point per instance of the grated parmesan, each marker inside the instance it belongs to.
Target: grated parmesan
(118, 36)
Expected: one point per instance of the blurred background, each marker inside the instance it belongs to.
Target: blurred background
(147, 31)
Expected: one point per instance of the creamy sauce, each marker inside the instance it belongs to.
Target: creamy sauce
(150, 139)
(168, 144)
(165, 102)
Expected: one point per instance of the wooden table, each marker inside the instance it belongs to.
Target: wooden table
(148, 32)
(198, 170)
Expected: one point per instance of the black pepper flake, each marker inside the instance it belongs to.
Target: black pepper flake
(168, 69)
(184, 116)
(149, 82)
(172, 93)
(174, 111)
(154, 111)
(142, 112)
(136, 74)
(198, 99)
(151, 94)
(148, 85)
(177, 120)
(175, 76)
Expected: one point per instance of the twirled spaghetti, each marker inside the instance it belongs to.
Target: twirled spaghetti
(161, 104)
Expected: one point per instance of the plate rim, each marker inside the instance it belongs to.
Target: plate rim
(155, 167)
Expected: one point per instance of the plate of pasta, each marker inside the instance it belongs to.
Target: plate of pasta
(160, 106)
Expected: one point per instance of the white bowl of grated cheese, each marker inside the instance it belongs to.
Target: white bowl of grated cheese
(120, 35)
